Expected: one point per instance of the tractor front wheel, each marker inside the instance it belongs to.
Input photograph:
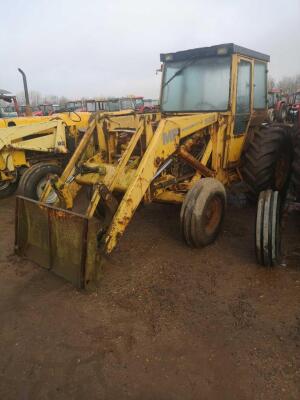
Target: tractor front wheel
(7, 188)
(34, 180)
(267, 229)
(202, 212)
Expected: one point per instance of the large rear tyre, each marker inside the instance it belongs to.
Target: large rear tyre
(34, 180)
(267, 229)
(266, 160)
(202, 212)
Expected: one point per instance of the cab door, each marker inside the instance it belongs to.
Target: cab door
(243, 97)
(242, 107)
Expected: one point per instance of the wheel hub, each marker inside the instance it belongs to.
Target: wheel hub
(52, 197)
(213, 214)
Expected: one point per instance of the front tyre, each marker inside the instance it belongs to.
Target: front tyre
(7, 188)
(202, 212)
(34, 180)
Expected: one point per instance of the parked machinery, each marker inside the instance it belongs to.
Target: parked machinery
(279, 105)
(209, 136)
(295, 109)
(35, 140)
(7, 97)
(74, 105)
(136, 103)
(47, 109)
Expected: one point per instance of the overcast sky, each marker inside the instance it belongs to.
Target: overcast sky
(99, 48)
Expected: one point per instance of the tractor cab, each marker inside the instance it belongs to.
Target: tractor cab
(74, 105)
(109, 105)
(132, 103)
(226, 79)
(44, 110)
(11, 107)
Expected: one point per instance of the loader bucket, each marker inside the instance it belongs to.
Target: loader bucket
(61, 241)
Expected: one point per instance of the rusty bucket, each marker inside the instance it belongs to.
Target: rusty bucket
(61, 241)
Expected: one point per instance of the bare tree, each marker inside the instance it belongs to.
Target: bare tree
(290, 84)
(271, 83)
(63, 100)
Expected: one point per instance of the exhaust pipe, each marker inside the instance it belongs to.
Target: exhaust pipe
(28, 110)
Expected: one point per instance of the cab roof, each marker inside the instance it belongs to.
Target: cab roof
(218, 50)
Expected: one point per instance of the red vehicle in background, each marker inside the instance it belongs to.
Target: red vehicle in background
(295, 108)
(138, 103)
(279, 105)
(46, 109)
(152, 105)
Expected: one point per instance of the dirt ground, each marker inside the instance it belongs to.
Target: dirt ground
(169, 322)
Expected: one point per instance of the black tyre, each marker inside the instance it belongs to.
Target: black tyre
(202, 212)
(34, 180)
(267, 229)
(296, 166)
(266, 160)
(7, 188)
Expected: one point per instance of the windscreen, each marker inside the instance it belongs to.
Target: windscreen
(113, 106)
(139, 102)
(201, 85)
(127, 104)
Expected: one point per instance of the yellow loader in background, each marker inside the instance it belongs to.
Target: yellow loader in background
(209, 137)
(34, 140)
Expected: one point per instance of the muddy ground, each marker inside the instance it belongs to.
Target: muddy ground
(169, 322)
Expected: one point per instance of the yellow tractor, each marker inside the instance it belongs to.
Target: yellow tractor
(209, 136)
(26, 142)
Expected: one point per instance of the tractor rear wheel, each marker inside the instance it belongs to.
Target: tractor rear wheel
(34, 180)
(202, 212)
(267, 229)
(266, 160)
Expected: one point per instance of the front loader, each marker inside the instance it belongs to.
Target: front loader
(36, 139)
(210, 136)
(29, 153)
